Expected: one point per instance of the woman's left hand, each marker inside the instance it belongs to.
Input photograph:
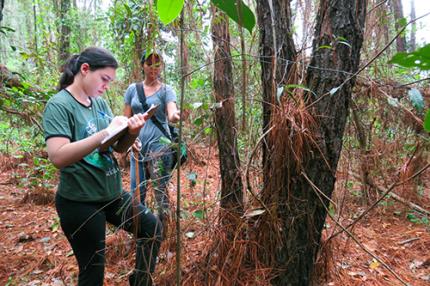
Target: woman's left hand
(176, 116)
(135, 123)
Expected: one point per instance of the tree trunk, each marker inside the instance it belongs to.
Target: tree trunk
(397, 9)
(303, 187)
(276, 53)
(1, 10)
(231, 186)
(413, 43)
(64, 30)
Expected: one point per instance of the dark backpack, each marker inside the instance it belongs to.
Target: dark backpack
(174, 132)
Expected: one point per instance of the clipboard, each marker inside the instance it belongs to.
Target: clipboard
(122, 130)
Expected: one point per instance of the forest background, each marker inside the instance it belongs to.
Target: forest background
(371, 225)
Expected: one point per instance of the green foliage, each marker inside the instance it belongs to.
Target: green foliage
(416, 99)
(427, 121)
(417, 218)
(200, 214)
(238, 12)
(419, 59)
(168, 10)
(10, 281)
(40, 175)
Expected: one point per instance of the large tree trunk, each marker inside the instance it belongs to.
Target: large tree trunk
(304, 182)
(231, 188)
(276, 53)
(397, 9)
(64, 30)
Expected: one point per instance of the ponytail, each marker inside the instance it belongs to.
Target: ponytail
(69, 70)
(96, 58)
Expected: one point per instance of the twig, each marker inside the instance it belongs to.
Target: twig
(248, 184)
(417, 81)
(408, 241)
(403, 201)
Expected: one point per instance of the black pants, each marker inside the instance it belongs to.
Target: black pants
(84, 225)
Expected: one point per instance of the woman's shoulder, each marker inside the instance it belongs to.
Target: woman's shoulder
(168, 87)
(61, 97)
(131, 89)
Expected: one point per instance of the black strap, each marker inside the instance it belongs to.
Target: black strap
(142, 99)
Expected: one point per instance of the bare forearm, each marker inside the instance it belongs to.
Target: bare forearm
(70, 153)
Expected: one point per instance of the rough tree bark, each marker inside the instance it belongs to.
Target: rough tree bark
(302, 200)
(276, 53)
(225, 120)
(64, 30)
(397, 9)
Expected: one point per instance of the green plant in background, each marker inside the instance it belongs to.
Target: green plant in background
(419, 59)
(39, 175)
(417, 218)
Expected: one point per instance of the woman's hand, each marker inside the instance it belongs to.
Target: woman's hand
(176, 116)
(135, 123)
(116, 123)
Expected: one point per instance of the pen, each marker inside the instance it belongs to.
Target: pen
(104, 114)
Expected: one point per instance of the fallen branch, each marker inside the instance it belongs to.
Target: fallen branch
(404, 201)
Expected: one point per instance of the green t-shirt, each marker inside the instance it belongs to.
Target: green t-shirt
(96, 177)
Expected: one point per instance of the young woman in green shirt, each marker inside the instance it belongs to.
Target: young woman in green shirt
(76, 120)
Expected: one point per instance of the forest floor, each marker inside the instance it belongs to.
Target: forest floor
(34, 251)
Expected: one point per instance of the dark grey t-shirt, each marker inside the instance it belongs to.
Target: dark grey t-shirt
(150, 134)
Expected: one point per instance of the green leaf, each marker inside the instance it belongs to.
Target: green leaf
(198, 121)
(232, 9)
(165, 141)
(200, 214)
(324, 47)
(169, 10)
(417, 59)
(416, 99)
(427, 121)
(208, 130)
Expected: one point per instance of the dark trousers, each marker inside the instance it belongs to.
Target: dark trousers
(84, 224)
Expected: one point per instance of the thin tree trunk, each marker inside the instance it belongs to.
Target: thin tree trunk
(413, 44)
(35, 28)
(225, 120)
(64, 30)
(1, 9)
(397, 9)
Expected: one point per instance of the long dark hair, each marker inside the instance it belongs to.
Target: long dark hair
(96, 58)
